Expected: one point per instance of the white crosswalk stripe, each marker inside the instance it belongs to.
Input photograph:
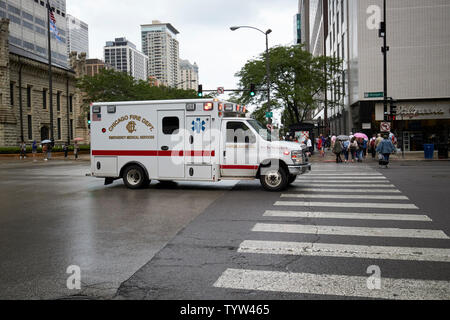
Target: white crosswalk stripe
(343, 191)
(332, 285)
(347, 205)
(364, 188)
(350, 231)
(345, 250)
(333, 196)
(347, 215)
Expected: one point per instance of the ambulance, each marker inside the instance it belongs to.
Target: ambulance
(188, 140)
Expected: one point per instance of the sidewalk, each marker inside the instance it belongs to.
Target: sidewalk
(40, 157)
(409, 156)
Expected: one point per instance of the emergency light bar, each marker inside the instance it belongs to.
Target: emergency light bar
(208, 106)
(229, 107)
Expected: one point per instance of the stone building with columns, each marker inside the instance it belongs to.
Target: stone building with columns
(24, 96)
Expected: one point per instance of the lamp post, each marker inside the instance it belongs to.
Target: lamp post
(191, 81)
(269, 31)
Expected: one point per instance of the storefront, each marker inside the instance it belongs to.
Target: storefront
(420, 123)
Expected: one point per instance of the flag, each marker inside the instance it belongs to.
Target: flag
(53, 26)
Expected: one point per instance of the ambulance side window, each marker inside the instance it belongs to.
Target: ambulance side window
(170, 125)
(238, 132)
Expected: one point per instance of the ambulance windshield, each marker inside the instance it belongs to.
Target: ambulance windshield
(263, 132)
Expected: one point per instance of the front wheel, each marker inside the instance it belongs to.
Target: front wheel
(275, 181)
(292, 178)
(134, 177)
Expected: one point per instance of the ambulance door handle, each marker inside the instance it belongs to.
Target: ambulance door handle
(191, 139)
(165, 148)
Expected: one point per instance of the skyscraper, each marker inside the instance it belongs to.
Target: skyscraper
(123, 56)
(418, 68)
(28, 27)
(188, 75)
(159, 43)
(77, 35)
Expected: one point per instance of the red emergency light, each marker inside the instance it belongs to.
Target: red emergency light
(208, 106)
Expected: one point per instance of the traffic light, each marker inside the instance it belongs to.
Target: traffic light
(393, 110)
(252, 90)
(200, 91)
(89, 120)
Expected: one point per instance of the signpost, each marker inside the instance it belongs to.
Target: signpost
(221, 90)
(269, 115)
(385, 127)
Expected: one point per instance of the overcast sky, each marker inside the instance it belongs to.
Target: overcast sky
(204, 36)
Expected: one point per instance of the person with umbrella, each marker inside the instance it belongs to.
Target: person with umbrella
(337, 150)
(345, 140)
(46, 149)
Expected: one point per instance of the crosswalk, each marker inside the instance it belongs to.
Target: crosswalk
(352, 200)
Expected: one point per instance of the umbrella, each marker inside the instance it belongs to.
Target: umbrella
(343, 138)
(46, 141)
(362, 136)
(78, 139)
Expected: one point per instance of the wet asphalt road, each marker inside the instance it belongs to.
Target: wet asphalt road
(176, 242)
(53, 216)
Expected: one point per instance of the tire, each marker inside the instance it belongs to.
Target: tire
(134, 178)
(275, 181)
(292, 179)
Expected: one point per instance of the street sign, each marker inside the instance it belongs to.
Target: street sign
(373, 95)
(220, 90)
(269, 115)
(270, 127)
(385, 127)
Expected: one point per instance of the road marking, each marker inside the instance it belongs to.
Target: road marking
(334, 196)
(347, 215)
(333, 285)
(346, 251)
(350, 231)
(347, 205)
(340, 178)
(346, 185)
(347, 190)
(341, 181)
(344, 174)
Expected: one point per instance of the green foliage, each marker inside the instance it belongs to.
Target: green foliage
(112, 86)
(298, 82)
(57, 148)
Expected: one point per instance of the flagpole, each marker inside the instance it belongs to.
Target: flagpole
(50, 75)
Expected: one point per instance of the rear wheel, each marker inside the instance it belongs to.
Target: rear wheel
(134, 177)
(275, 180)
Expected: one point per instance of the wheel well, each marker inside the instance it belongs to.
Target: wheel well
(134, 163)
(266, 163)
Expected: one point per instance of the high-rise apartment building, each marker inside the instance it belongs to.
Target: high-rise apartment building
(77, 35)
(160, 44)
(28, 27)
(123, 56)
(188, 75)
(418, 66)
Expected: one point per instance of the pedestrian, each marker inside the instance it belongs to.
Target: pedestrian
(23, 150)
(346, 149)
(385, 148)
(372, 146)
(353, 148)
(320, 145)
(45, 151)
(309, 146)
(76, 149)
(378, 141)
(337, 150)
(66, 150)
(360, 151)
(50, 149)
(34, 150)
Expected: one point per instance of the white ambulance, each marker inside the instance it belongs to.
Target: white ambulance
(188, 140)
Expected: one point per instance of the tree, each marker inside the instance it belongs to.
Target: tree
(112, 86)
(299, 82)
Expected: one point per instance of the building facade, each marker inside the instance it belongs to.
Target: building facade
(94, 66)
(418, 67)
(28, 27)
(160, 44)
(77, 35)
(24, 97)
(188, 75)
(122, 55)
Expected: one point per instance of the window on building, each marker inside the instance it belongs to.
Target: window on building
(44, 99)
(59, 128)
(29, 97)
(171, 125)
(58, 101)
(11, 94)
(30, 128)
